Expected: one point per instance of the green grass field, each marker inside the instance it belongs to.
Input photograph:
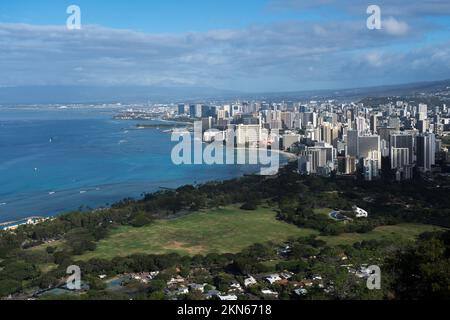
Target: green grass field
(401, 232)
(227, 230)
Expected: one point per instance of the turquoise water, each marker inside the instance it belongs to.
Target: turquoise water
(56, 160)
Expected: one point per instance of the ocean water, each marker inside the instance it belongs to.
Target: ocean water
(57, 160)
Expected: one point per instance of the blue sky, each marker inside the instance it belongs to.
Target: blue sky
(251, 45)
(152, 15)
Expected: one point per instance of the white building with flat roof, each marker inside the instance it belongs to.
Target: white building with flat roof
(360, 213)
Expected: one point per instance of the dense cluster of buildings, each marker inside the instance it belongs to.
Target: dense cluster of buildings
(400, 138)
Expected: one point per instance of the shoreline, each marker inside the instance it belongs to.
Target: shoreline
(32, 220)
(11, 225)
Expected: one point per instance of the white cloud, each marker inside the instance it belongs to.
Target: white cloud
(374, 59)
(394, 27)
(284, 56)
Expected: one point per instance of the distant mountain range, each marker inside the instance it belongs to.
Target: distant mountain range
(85, 94)
(134, 94)
(404, 90)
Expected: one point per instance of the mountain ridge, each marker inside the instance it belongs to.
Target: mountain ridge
(141, 94)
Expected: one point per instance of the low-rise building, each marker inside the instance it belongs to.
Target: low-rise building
(360, 213)
(250, 281)
(273, 278)
(230, 297)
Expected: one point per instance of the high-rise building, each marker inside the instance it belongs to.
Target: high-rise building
(236, 109)
(394, 122)
(289, 139)
(352, 143)
(312, 133)
(195, 110)
(288, 119)
(423, 112)
(248, 135)
(371, 168)
(335, 135)
(297, 121)
(350, 165)
(326, 133)
(423, 125)
(369, 151)
(309, 118)
(367, 144)
(222, 114)
(399, 158)
(192, 111)
(208, 111)
(426, 151)
(207, 123)
(384, 146)
(386, 132)
(374, 123)
(181, 109)
(400, 141)
(361, 124)
(319, 159)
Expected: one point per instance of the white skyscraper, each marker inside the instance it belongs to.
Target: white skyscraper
(423, 112)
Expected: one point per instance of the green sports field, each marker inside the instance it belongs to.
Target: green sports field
(226, 230)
